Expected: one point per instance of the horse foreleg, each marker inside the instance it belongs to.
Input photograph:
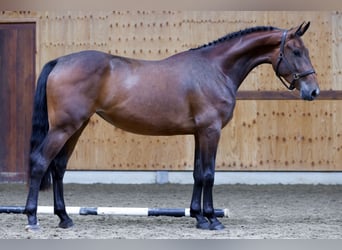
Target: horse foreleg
(209, 140)
(195, 206)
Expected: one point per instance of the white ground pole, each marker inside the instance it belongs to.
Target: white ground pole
(115, 211)
(180, 177)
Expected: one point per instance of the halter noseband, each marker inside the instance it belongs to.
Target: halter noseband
(295, 76)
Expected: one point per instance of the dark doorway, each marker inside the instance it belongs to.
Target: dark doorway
(17, 83)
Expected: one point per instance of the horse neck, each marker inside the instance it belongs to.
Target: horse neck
(239, 56)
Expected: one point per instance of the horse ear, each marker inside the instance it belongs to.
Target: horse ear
(301, 30)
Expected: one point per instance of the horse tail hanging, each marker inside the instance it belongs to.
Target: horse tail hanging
(40, 123)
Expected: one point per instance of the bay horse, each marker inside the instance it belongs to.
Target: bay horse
(192, 92)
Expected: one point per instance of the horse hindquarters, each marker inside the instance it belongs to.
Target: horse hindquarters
(46, 145)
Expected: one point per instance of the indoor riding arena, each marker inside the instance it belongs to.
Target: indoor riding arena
(278, 162)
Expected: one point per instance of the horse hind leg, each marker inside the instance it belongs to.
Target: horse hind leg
(58, 168)
(40, 161)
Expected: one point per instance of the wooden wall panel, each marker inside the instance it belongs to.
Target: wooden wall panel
(263, 135)
(292, 135)
(336, 83)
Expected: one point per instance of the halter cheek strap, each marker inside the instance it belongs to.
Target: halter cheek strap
(282, 58)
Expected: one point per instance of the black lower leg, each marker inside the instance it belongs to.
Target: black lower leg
(37, 171)
(196, 201)
(208, 207)
(59, 205)
(58, 170)
(195, 207)
(32, 203)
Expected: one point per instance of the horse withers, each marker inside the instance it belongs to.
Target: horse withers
(192, 92)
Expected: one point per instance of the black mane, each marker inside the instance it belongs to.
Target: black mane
(237, 34)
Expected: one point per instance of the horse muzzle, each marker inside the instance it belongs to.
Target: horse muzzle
(309, 93)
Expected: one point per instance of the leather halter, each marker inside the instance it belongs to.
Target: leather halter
(282, 58)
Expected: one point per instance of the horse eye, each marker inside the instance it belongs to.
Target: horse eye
(296, 53)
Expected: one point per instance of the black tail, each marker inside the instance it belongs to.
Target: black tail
(40, 123)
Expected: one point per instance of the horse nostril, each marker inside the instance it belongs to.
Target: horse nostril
(315, 93)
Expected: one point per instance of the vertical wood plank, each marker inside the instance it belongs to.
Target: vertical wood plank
(337, 51)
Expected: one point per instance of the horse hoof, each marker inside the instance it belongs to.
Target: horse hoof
(203, 225)
(216, 226)
(32, 228)
(66, 224)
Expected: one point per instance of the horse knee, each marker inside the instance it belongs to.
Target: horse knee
(198, 179)
(208, 179)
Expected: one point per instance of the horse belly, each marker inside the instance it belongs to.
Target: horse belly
(150, 117)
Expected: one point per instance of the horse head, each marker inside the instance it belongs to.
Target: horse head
(293, 65)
